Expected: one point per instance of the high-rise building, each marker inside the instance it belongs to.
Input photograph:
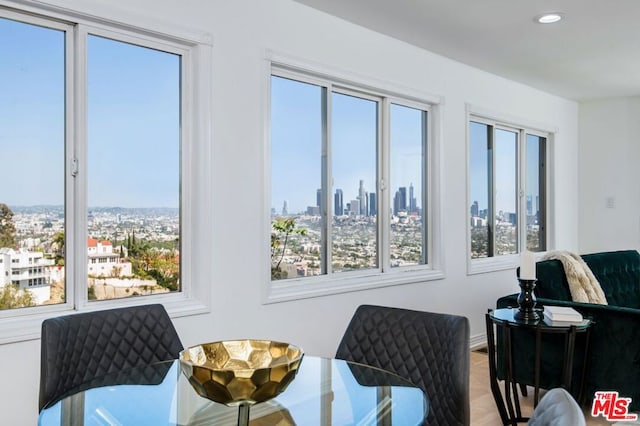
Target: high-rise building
(400, 200)
(285, 209)
(362, 198)
(319, 197)
(529, 205)
(474, 209)
(337, 203)
(355, 207)
(373, 208)
(412, 200)
(396, 203)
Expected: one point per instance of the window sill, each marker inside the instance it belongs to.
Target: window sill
(304, 288)
(492, 264)
(26, 323)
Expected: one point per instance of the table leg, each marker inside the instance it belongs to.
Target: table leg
(567, 370)
(508, 380)
(523, 389)
(585, 361)
(493, 374)
(536, 379)
(243, 414)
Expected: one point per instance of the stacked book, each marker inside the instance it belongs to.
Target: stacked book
(561, 315)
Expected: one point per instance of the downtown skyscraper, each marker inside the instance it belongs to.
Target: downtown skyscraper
(338, 203)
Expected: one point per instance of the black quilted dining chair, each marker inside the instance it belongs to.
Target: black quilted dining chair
(431, 350)
(80, 348)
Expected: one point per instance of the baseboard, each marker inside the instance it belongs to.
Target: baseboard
(478, 341)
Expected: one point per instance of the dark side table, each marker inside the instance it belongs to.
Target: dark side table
(503, 321)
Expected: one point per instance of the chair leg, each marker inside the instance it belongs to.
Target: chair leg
(523, 389)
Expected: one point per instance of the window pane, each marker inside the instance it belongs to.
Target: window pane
(534, 192)
(32, 137)
(408, 144)
(354, 137)
(506, 196)
(479, 156)
(296, 179)
(133, 170)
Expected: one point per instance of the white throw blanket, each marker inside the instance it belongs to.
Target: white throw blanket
(583, 285)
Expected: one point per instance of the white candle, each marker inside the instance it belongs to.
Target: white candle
(527, 266)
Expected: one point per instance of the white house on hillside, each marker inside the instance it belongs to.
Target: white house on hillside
(28, 270)
(103, 262)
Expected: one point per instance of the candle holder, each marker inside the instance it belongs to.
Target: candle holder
(526, 302)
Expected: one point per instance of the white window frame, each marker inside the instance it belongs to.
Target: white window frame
(195, 49)
(523, 127)
(335, 80)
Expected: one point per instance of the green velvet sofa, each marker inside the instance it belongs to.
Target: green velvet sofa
(613, 358)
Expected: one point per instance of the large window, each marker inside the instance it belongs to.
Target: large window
(507, 189)
(93, 136)
(32, 146)
(349, 174)
(133, 168)
(408, 149)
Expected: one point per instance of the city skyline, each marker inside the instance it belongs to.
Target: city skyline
(297, 153)
(505, 147)
(410, 204)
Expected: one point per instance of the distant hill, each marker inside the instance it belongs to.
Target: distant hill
(59, 210)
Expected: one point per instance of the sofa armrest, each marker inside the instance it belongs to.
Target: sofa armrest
(590, 310)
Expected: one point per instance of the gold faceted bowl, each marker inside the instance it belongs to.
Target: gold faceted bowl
(240, 372)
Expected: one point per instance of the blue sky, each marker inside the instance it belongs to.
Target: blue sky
(296, 145)
(133, 120)
(354, 135)
(31, 114)
(296, 150)
(505, 146)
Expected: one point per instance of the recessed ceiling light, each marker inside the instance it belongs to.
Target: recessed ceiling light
(548, 18)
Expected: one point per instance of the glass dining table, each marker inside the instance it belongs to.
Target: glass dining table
(324, 392)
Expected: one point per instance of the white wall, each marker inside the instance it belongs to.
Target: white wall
(242, 30)
(608, 171)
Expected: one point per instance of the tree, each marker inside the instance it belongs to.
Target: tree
(134, 247)
(115, 271)
(7, 227)
(165, 270)
(281, 229)
(58, 239)
(91, 293)
(12, 297)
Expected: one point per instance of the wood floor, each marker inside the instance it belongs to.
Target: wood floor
(483, 406)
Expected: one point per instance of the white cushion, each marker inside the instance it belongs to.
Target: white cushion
(557, 408)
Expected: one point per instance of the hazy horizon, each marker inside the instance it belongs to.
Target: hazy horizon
(132, 121)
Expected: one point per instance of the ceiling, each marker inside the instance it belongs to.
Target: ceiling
(594, 52)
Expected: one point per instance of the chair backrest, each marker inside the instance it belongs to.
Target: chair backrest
(429, 349)
(76, 349)
(557, 408)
